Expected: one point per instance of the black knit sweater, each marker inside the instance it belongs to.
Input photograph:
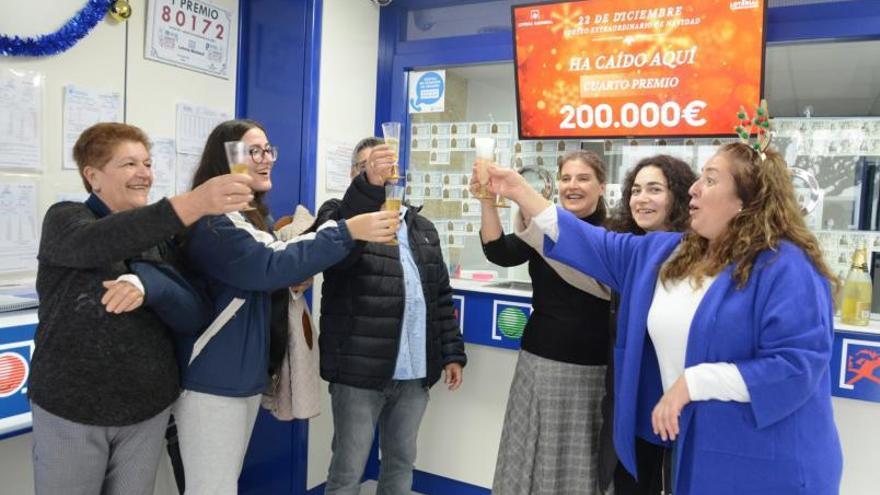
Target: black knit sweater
(91, 366)
(567, 324)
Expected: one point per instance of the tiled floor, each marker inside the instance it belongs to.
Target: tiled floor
(369, 488)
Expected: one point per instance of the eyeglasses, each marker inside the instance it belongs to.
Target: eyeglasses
(259, 155)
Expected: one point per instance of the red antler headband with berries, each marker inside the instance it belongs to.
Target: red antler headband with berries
(755, 131)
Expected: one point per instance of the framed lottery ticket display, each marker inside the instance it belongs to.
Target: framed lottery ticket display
(189, 34)
(627, 68)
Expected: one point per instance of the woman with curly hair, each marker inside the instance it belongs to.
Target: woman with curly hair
(655, 198)
(724, 332)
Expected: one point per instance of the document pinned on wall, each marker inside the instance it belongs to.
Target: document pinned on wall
(21, 110)
(338, 166)
(186, 168)
(194, 123)
(163, 169)
(19, 233)
(84, 107)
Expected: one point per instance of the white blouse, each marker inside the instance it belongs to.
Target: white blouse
(669, 324)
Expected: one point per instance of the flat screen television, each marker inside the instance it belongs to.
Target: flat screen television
(637, 68)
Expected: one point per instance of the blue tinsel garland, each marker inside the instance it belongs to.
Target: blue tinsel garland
(50, 44)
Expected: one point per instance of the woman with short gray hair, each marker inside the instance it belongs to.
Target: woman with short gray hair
(103, 373)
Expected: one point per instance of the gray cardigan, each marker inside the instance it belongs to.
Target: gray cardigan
(90, 366)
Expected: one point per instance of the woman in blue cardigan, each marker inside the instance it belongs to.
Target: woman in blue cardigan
(724, 332)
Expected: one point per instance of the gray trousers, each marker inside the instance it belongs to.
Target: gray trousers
(214, 432)
(75, 459)
(398, 410)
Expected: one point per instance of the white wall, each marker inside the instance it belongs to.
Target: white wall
(461, 430)
(346, 113)
(98, 61)
(859, 435)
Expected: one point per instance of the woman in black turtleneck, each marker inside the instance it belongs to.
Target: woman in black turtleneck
(551, 428)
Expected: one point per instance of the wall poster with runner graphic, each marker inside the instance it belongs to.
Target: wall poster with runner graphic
(855, 366)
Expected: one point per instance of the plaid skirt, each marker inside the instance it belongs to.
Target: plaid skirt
(550, 440)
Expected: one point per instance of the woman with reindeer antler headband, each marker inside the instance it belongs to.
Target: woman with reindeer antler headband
(724, 332)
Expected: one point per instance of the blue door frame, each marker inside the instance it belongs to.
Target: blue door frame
(278, 80)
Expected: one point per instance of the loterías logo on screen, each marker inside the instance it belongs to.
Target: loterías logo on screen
(744, 4)
(534, 18)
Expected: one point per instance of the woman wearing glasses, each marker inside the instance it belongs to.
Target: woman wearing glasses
(239, 263)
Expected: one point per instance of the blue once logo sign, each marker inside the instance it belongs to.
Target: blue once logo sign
(429, 90)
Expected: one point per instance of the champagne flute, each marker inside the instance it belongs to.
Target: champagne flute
(393, 201)
(391, 135)
(485, 147)
(238, 157)
(501, 201)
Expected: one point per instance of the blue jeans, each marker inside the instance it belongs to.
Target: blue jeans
(398, 410)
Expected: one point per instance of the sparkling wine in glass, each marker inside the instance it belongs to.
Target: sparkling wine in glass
(393, 201)
(239, 159)
(485, 147)
(391, 135)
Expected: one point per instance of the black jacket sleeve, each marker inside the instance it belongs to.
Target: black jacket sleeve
(73, 238)
(508, 250)
(451, 341)
(360, 197)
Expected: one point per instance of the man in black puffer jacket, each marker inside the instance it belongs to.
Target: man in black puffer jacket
(387, 331)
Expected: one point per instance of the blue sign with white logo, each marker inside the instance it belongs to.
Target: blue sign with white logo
(16, 350)
(509, 320)
(427, 91)
(855, 366)
(458, 310)
(491, 319)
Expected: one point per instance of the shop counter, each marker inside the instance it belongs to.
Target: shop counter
(495, 313)
(490, 313)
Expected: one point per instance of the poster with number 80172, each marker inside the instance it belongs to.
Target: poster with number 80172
(189, 34)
